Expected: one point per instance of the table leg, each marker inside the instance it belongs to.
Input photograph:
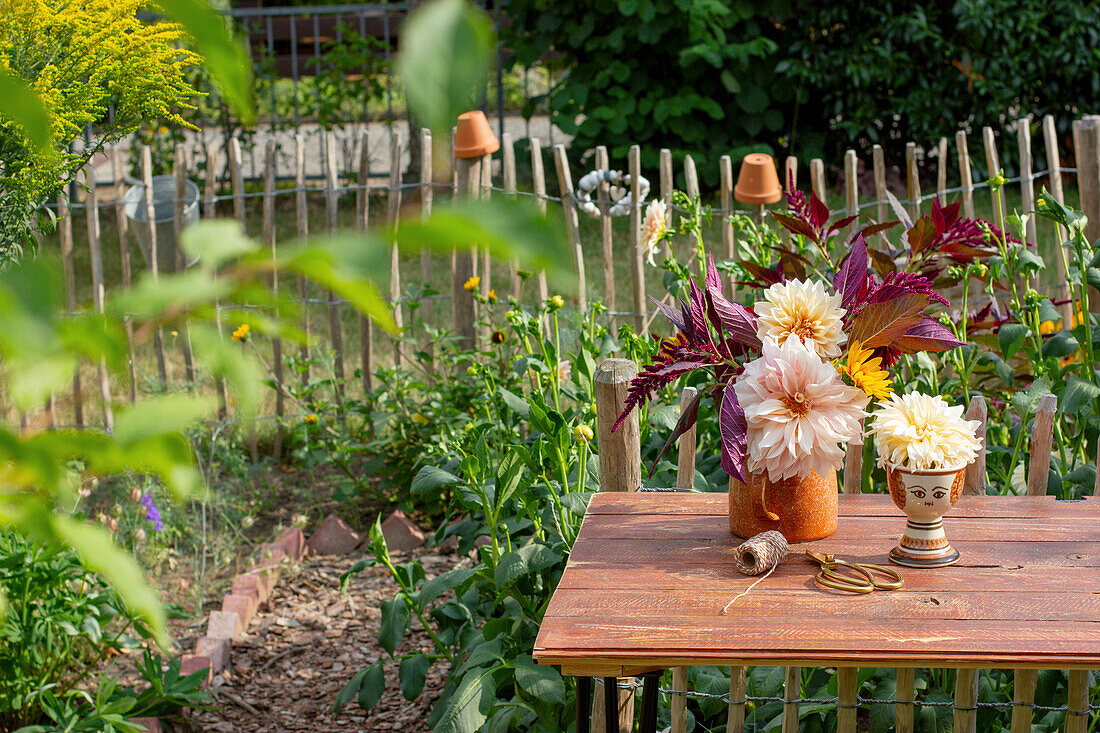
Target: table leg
(584, 703)
(650, 681)
(611, 704)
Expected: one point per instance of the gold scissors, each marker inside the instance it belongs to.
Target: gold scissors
(862, 582)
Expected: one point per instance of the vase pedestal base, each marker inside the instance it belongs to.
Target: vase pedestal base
(924, 545)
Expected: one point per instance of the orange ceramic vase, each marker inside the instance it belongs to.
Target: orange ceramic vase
(801, 508)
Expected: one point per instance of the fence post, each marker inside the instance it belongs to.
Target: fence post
(966, 700)
(426, 194)
(96, 253)
(1077, 704)
(878, 163)
(974, 481)
(1054, 165)
(851, 187)
(124, 259)
(568, 202)
(853, 466)
(393, 207)
(179, 165)
(147, 180)
(331, 199)
(508, 180)
(735, 714)
(65, 225)
(484, 194)
(1086, 143)
(1027, 186)
(993, 164)
(725, 176)
(603, 162)
(301, 206)
(210, 212)
(269, 241)
(941, 172)
(538, 184)
(685, 478)
(792, 691)
(634, 161)
(846, 706)
(817, 179)
(463, 308)
(1023, 697)
(620, 470)
(906, 688)
(1042, 435)
(362, 222)
(912, 180)
(966, 174)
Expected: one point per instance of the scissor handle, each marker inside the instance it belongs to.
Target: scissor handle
(896, 583)
(829, 578)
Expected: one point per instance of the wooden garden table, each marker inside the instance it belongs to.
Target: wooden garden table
(650, 573)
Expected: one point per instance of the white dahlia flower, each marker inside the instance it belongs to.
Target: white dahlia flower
(804, 311)
(920, 431)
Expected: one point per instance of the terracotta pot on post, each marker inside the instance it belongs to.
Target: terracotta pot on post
(925, 496)
(757, 182)
(801, 508)
(473, 136)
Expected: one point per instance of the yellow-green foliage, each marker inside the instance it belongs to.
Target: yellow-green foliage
(93, 63)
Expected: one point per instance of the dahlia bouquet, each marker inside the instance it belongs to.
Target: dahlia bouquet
(792, 375)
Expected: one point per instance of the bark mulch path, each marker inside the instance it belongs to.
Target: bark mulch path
(285, 673)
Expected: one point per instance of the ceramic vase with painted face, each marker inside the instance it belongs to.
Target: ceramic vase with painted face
(925, 496)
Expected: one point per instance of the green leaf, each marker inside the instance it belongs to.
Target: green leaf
(510, 473)
(545, 683)
(509, 229)
(100, 554)
(1026, 402)
(469, 706)
(412, 672)
(444, 60)
(442, 583)
(224, 56)
(1012, 336)
(1061, 344)
(431, 478)
(395, 622)
(23, 106)
(516, 403)
(527, 559)
(216, 242)
(228, 360)
(1029, 261)
(158, 415)
(1077, 394)
(366, 686)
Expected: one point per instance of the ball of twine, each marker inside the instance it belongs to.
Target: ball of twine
(759, 554)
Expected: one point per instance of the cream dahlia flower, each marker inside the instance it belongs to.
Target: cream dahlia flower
(798, 411)
(920, 431)
(802, 310)
(654, 228)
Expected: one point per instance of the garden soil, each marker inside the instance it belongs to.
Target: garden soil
(305, 645)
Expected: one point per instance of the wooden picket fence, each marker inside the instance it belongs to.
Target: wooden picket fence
(475, 178)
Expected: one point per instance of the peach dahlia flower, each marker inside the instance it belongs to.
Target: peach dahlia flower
(798, 411)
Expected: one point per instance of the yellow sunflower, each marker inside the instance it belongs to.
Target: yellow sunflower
(867, 373)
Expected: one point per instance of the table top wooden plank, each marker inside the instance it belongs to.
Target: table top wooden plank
(829, 605)
(650, 573)
(706, 526)
(854, 505)
(797, 574)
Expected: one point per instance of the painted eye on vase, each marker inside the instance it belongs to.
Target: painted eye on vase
(919, 493)
(939, 494)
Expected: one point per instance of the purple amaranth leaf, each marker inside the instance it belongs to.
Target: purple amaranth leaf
(688, 416)
(794, 224)
(697, 313)
(655, 376)
(851, 279)
(714, 280)
(819, 212)
(672, 314)
(738, 323)
(926, 335)
(733, 428)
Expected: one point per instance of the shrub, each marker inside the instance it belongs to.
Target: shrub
(92, 63)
